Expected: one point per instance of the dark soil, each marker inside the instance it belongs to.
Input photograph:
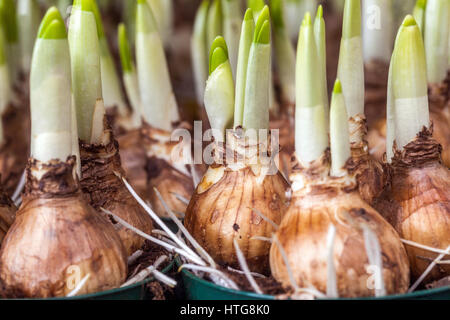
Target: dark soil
(155, 289)
(268, 285)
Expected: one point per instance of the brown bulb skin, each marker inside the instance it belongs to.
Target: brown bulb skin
(7, 213)
(101, 182)
(304, 231)
(134, 160)
(285, 125)
(163, 173)
(57, 239)
(368, 172)
(220, 211)
(417, 202)
(439, 97)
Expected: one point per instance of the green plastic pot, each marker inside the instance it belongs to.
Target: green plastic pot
(135, 291)
(200, 289)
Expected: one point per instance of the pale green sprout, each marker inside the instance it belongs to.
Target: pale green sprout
(129, 8)
(159, 107)
(436, 39)
(5, 80)
(213, 22)
(257, 86)
(130, 79)
(163, 13)
(5, 83)
(419, 14)
(351, 65)
(8, 16)
(378, 30)
(64, 7)
(407, 109)
(245, 43)
(311, 138)
(111, 90)
(28, 12)
(199, 51)
(86, 72)
(50, 91)
(339, 132)
(219, 92)
(319, 35)
(257, 7)
(284, 51)
(232, 17)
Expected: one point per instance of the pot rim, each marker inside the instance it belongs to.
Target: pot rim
(416, 294)
(110, 291)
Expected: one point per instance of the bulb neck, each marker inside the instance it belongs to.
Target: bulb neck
(315, 179)
(51, 179)
(421, 152)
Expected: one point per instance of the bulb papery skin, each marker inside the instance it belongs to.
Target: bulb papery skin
(318, 202)
(223, 206)
(134, 160)
(168, 175)
(7, 213)
(57, 237)
(417, 203)
(99, 165)
(439, 102)
(368, 172)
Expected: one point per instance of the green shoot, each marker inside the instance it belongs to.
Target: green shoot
(319, 35)
(232, 29)
(159, 107)
(339, 132)
(5, 82)
(129, 75)
(257, 87)
(285, 53)
(257, 6)
(163, 13)
(419, 14)
(351, 65)
(436, 39)
(407, 110)
(199, 51)
(28, 12)
(8, 16)
(219, 92)
(245, 43)
(311, 139)
(111, 90)
(214, 22)
(50, 84)
(86, 72)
